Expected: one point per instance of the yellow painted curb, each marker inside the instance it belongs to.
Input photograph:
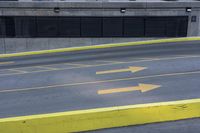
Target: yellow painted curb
(72, 49)
(84, 120)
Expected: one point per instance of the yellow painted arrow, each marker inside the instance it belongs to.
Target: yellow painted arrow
(132, 69)
(140, 87)
(9, 62)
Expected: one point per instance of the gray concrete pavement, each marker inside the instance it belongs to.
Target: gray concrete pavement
(68, 81)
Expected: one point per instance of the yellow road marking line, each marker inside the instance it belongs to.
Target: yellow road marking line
(132, 69)
(152, 58)
(71, 64)
(111, 61)
(140, 87)
(101, 81)
(78, 67)
(77, 64)
(187, 55)
(9, 62)
(17, 70)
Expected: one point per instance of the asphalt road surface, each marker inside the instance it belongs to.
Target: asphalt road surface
(99, 78)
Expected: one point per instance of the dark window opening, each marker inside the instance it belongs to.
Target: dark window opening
(10, 27)
(112, 27)
(182, 27)
(69, 27)
(47, 26)
(134, 27)
(155, 27)
(2, 27)
(93, 26)
(25, 27)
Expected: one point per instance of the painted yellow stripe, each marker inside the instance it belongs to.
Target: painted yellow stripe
(110, 61)
(5, 63)
(85, 120)
(117, 90)
(140, 87)
(158, 41)
(19, 71)
(132, 69)
(113, 71)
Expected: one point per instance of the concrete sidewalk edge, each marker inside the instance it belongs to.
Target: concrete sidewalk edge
(100, 118)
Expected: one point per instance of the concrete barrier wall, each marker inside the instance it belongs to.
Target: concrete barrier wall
(104, 46)
(86, 120)
(14, 45)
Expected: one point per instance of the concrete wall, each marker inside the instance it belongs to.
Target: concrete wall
(10, 45)
(13, 45)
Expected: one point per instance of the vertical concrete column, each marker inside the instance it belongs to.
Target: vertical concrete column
(198, 23)
(2, 40)
(194, 26)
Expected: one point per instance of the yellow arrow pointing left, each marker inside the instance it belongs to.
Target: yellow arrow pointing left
(140, 87)
(132, 69)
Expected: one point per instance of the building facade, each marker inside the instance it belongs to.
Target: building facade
(27, 25)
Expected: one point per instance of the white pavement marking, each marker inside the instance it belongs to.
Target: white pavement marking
(86, 66)
(100, 81)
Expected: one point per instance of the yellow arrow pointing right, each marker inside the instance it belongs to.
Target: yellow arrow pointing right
(132, 69)
(140, 87)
